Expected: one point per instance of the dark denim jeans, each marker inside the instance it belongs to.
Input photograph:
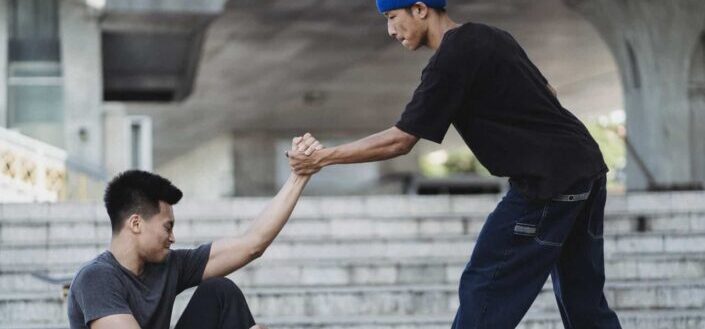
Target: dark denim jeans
(522, 242)
(217, 304)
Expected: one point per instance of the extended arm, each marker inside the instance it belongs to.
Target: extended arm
(230, 254)
(384, 145)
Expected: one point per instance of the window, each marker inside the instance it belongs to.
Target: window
(35, 84)
(34, 30)
(139, 130)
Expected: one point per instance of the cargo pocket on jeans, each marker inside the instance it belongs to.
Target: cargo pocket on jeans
(560, 217)
(550, 222)
(527, 224)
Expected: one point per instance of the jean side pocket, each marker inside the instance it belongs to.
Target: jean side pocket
(527, 224)
(557, 223)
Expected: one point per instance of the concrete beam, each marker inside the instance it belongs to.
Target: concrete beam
(180, 16)
(166, 6)
(154, 23)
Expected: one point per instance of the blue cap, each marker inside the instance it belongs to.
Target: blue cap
(386, 5)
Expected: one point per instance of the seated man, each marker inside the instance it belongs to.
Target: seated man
(134, 284)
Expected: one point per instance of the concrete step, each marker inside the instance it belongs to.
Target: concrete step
(377, 206)
(53, 230)
(381, 216)
(628, 319)
(373, 271)
(63, 252)
(433, 299)
(396, 257)
(384, 300)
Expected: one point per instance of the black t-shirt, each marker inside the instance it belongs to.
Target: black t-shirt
(481, 81)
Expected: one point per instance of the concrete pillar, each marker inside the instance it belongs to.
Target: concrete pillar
(206, 172)
(653, 42)
(116, 139)
(254, 163)
(696, 93)
(3, 62)
(82, 74)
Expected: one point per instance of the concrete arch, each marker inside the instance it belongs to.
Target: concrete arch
(665, 119)
(634, 66)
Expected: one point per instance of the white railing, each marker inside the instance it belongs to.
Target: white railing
(30, 170)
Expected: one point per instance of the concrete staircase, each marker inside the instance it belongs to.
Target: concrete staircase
(368, 262)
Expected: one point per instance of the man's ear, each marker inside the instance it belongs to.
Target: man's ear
(134, 223)
(419, 10)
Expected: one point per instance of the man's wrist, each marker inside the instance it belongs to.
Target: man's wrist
(325, 157)
(296, 179)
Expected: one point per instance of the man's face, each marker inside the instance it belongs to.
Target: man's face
(407, 26)
(157, 235)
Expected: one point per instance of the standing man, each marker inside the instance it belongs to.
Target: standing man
(134, 284)
(550, 222)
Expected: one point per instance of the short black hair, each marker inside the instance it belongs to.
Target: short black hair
(137, 192)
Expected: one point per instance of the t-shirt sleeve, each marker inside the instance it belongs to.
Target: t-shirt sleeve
(191, 263)
(99, 293)
(445, 83)
(433, 106)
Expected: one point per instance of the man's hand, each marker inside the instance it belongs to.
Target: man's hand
(258, 326)
(305, 144)
(302, 156)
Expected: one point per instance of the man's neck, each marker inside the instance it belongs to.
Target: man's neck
(126, 254)
(437, 29)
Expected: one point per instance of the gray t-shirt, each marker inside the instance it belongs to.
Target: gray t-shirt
(103, 287)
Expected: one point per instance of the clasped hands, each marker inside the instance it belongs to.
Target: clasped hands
(304, 158)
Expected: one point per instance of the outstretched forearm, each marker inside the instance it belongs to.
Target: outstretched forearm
(230, 254)
(384, 145)
(270, 222)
